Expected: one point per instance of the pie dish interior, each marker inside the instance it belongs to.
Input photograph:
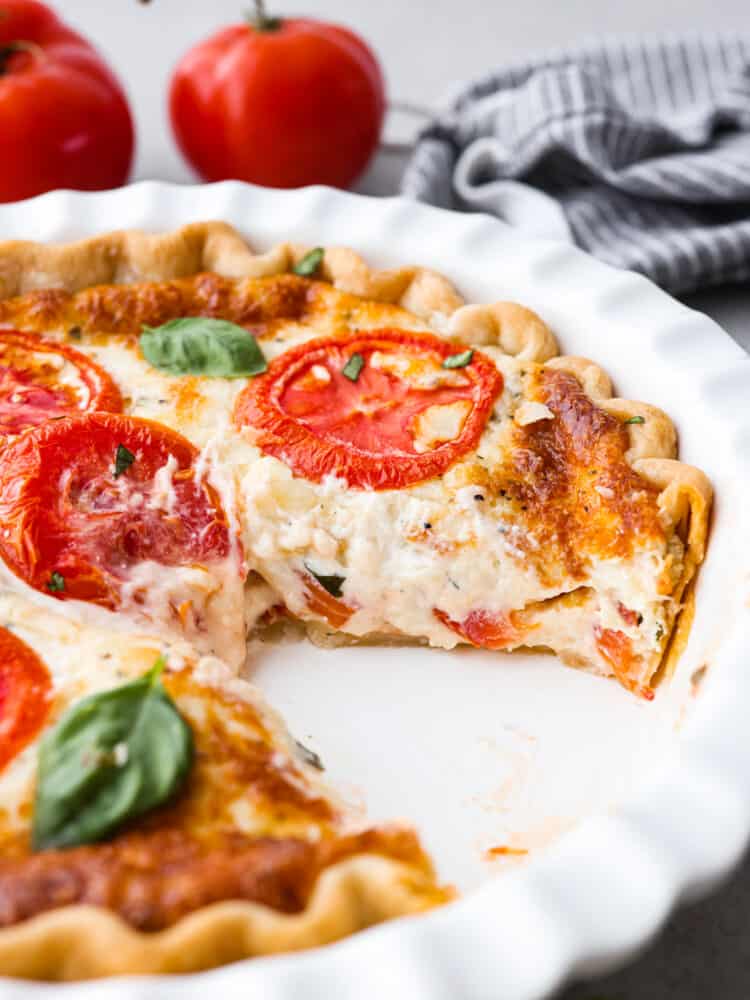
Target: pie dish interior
(134, 257)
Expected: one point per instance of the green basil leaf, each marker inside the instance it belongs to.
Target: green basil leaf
(459, 360)
(197, 345)
(353, 367)
(636, 420)
(56, 582)
(111, 757)
(332, 583)
(309, 264)
(123, 460)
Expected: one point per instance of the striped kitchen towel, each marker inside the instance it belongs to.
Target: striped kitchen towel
(636, 150)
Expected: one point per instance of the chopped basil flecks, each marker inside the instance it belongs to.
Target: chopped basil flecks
(459, 360)
(353, 367)
(659, 631)
(123, 460)
(309, 264)
(331, 582)
(199, 345)
(110, 758)
(56, 582)
(309, 756)
(636, 420)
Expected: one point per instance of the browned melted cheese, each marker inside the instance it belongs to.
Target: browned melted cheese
(567, 479)
(153, 879)
(193, 853)
(263, 305)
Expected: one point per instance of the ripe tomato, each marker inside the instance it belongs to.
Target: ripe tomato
(76, 517)
(62, 112)
(279, 102)
(488, 631)
(41, 380)
(25, 695)
(369, 427)
(617, 650)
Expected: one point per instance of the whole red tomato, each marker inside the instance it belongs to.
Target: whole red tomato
(64, 119)
(279, 102)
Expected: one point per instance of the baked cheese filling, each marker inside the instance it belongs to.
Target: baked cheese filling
(386, 482)
(542, 536)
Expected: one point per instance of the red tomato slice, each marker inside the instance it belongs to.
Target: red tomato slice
(306, 411)
(484, 629)
(629, 616)
(74, 530)
(31, 387)
(617, 650)
(25, 695)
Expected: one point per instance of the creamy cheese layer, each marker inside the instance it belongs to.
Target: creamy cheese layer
(454, 545)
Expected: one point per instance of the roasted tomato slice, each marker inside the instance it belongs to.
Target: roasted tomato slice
(488, 630)
(40, 380)
(25, 695)
(617, 650)
(376, 408)
(84, 499)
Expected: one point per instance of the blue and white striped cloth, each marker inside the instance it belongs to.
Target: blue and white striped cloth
(636, 150)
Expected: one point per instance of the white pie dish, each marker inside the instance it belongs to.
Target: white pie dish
(481, 749)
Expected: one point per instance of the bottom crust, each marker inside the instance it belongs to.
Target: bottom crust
(85, 942)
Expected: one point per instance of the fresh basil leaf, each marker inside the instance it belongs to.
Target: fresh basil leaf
(309, 756)
(636, 420)
(459, 360)
(56, 582)
(309, 264)
(353, 367)
(123, 460)
(332, 583)
(111, 757)
(199, 345)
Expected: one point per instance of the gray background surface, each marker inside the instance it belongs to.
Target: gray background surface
(426, 46)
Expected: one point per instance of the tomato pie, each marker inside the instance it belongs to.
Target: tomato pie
(200, 444)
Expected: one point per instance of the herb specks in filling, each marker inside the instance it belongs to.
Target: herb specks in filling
(124, 458)
(459, 360)
(331, 582)
(353, 367)
(309, 264)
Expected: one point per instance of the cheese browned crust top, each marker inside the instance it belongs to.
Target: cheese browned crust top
(255, 825)
(249, 826)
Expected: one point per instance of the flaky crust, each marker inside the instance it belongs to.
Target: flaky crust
(85, 942)
(81, 942)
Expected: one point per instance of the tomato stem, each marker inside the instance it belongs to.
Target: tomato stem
(260, 20)
(8, 51)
